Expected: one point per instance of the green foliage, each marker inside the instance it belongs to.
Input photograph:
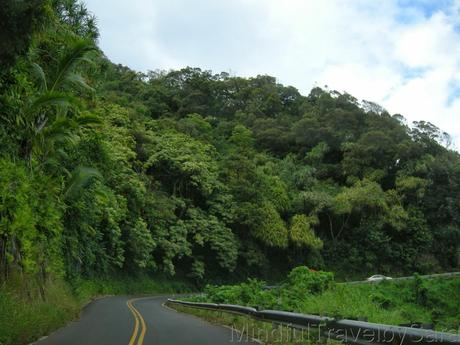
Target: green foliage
(381, 300)
(249, 293)
(314, 292)
(420, 291)
(361, 197)
(310, 281)
(302, 233)
(76, 16)
(141, 243)
(269, 227)
(411, 184)
(105, 170)
(30, 221)
(185, 161)
(195, 126)
(23, 320)
(20, 19)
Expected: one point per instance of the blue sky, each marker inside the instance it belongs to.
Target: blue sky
(428, 7)
(402, 54)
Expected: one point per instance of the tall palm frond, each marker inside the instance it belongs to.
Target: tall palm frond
(50, 120)
(87, 119)
(79, 179)
(78, 81)
(77, 53)
(62, 132)
(40, 77)
(51, 99)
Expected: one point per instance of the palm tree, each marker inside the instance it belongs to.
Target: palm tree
(75, 14)
(51, 121)
(48, 122)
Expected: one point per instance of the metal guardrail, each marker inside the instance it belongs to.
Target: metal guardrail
(347, 331)
(427, 276)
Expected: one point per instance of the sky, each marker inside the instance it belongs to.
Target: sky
(401, 54)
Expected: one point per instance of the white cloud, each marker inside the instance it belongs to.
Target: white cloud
(425, 44)
(406, 58)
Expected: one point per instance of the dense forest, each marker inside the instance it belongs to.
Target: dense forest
(105, 170)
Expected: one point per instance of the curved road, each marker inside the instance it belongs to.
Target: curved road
(142, 321)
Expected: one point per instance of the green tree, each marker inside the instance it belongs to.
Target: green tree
(19, 21)
(302, 234)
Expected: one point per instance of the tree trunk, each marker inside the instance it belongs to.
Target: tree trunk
(3, 260)
(331, 230)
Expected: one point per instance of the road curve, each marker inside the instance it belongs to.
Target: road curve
(138, 321)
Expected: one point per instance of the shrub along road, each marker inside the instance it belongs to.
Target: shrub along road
(141, 321)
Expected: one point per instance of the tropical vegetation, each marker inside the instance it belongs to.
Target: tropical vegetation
(430, 302)
(109, 172)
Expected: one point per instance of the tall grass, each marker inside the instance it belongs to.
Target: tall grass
(434, 301)
(26, 318)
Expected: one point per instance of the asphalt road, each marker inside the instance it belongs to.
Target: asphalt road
(143, 321)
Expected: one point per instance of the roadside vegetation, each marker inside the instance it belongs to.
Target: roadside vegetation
(244, 328)
(426, 301)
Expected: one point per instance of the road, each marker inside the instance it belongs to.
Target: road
(138, 321)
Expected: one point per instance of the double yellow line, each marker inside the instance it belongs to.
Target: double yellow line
(138, 319)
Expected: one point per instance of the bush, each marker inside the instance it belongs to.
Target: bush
(309, 281)
(250, 293)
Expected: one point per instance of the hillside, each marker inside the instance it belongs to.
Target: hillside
(105, 170)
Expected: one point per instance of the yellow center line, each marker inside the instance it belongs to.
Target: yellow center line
(137, 316)
(136, 325)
